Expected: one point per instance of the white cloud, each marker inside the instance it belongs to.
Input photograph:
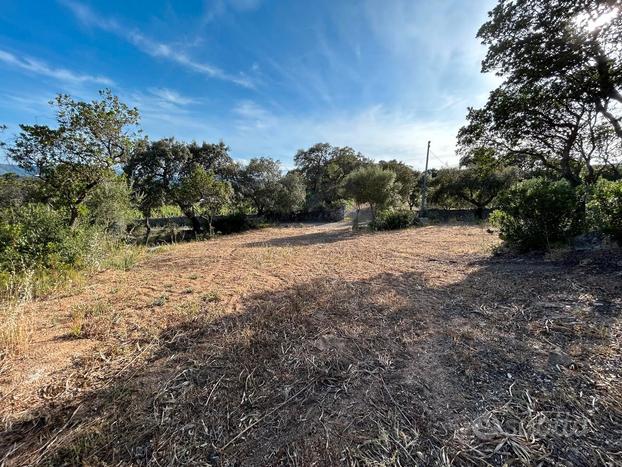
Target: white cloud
(41, 68)
(152, 47)
(171, 96)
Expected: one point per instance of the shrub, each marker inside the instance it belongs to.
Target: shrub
(109, 206)
(233, 223)
(605, 208)
(394, 220)
(34, 236)
(535, 213)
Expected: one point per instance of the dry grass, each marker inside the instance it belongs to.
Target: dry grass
(316, 346)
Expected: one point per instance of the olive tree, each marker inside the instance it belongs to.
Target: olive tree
(370, 185)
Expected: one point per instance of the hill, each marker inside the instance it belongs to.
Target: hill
(10, 168)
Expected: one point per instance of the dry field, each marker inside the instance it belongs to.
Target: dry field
(312, 345)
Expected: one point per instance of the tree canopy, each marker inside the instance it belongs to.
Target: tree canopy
(80, 153)
(559, 107)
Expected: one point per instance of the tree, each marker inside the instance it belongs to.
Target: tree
(534, 128)
(312, 162)
(71, 160)
(370, 185)
(559, 107)
(324, 168)
(473, 185)
(110, 204)
(158, 168)
(203, 194)
(259, 182)
(408, 180)
(291, 194)
(573, 45)
(152, 170)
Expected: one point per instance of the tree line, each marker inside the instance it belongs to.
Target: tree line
(95, 161)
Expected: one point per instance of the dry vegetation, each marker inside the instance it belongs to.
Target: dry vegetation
(316, 346)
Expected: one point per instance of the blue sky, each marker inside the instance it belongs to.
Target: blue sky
(266, 76)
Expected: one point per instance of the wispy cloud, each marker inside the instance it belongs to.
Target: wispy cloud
(377, 132)
(151, 46)
(39, 67)
(171, 96)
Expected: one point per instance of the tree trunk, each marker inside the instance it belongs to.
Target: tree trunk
(479, 212)
(73, 216)
(147, 230)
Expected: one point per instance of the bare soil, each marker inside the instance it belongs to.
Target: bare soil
(312, 345)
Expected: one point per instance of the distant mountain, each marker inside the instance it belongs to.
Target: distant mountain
(10, 168)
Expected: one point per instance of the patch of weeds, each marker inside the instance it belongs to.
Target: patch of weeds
(160, 301)
(126, 257)
(78, 451)
(211, 297)
(91, 320)
(15, 331)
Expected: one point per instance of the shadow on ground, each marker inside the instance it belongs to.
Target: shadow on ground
(328, 236)
(519, 362)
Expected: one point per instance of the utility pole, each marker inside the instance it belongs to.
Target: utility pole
(424, 189)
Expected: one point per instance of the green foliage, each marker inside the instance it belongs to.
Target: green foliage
(158, 169)
(371, 185)
(15, 191)
(110, 205)
(605, 208)
(34, 236)
(291, 194)
(473, 186)
(167, 210)
(394, 220)
(324, 168)
(536, 213)
(75, 157)
(259, 183)
(558, 109)
(406, 181)
(202, 194)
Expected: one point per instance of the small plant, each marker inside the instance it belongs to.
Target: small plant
(15, 331)
(90, 320)
(211, 297)
(160, 301)
(394, 220)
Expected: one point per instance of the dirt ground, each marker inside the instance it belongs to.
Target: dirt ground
(312, 345)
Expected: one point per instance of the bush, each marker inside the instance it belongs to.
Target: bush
(109, 206)
(233, 223)
(394, 220)
(605, 208)
(34, 236)
(536, 213)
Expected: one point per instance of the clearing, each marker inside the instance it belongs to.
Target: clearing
(311, 345)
